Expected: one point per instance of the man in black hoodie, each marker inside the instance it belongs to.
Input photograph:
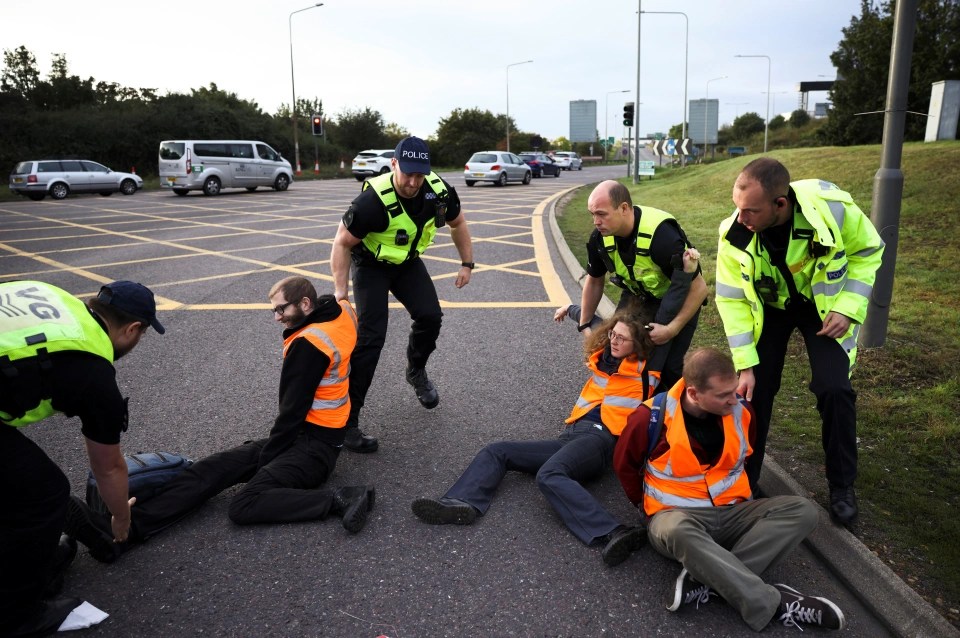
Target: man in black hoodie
(283, 471)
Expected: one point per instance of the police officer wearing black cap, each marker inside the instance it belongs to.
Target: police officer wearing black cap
(56, 355)
(383, 233)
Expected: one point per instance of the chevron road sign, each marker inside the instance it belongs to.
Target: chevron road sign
(672, 146)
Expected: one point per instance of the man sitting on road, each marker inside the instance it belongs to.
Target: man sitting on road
(283, 472)
(681, 460)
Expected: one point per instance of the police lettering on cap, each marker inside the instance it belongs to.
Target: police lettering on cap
(134, 299)
(413, 155)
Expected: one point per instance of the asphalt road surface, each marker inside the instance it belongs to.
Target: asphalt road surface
(503, 369)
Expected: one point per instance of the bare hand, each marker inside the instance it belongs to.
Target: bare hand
(747, 382)
(691, 257)
(660, 333)
(121, 524)
(835, 325)
(561, 312)
(463, 277)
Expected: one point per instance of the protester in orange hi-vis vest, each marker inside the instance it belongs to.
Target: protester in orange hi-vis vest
(620, 379)
(285, 472)
(681, 460)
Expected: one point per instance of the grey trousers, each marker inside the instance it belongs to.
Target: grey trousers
(727, 548)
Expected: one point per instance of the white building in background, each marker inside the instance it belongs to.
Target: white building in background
(583, 120)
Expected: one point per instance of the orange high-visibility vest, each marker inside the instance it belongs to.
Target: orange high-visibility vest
(336, 339)
(617, 394)
(677, 479)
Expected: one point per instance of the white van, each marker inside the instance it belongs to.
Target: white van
(212, 165)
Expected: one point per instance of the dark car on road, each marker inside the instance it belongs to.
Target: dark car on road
(541, 164)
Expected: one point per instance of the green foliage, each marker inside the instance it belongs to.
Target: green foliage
(466, 131)
(360, 130)
(777, 123)
(746, 125)
(799, 118)
(863, 61)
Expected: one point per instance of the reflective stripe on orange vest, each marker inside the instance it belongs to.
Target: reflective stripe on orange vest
(617, 395)
(677, 478)
(336, 339)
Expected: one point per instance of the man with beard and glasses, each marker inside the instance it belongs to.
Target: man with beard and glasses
(283, 472)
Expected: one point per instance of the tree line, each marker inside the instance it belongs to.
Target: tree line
(64, 115)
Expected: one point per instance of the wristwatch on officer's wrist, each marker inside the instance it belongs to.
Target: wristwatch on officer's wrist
(468, 264)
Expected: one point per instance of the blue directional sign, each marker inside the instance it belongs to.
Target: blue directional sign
(671, 147)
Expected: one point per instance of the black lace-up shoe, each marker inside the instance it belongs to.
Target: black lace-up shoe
(843, 505)
(796, 609)
(444, 511)
(93, 529)
(622, 542)
(687, 591)
(426, 392)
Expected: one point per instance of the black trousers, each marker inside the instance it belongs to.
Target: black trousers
(282, 491)
(33, 507)
(830, 370)
(410, 283)
(667, 358)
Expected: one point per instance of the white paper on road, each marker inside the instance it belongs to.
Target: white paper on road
(83, 616)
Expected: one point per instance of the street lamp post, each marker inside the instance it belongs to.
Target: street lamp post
(293, 88)
(766, 127)
(775, 94)
(508, 98)
(706, 108)
(606, 122)
(686, 57)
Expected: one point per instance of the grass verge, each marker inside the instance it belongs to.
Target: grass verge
(908, 389)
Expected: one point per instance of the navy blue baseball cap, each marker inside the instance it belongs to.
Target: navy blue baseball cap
(134, 299)
(413, 155)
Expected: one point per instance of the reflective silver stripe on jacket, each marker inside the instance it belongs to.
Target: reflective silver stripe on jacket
(330, 404)
(334, 361)
(742, 339)
(837, 210)
(729, 292)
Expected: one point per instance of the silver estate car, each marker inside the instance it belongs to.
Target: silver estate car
(59, 178)
(498, 167)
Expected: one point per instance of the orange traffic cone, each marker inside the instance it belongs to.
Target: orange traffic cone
(133, 170)
(316, 168)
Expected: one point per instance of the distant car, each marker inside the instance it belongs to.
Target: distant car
(373, 162)
(568, 160)
(58, 178)
(498, 167)
(541, 164)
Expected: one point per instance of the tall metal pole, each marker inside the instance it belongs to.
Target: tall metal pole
(766, 127)
(706, 107)
(293, 87)
(508, 98)
(636, 110)
(606, 122)
(888, 182)
(686, 59)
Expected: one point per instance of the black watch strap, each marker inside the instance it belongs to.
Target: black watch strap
(583, 327)
(468, 264)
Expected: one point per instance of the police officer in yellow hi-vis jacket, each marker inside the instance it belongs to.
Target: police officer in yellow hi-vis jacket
(643, 248)
(57, 355)
(384, 232)
(798, 255)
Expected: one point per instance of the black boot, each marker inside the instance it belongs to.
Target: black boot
(356, 441)
(353, 504)
(843, 505)
(93, 529)
(621, 542)
(66, 552)
(426, 391)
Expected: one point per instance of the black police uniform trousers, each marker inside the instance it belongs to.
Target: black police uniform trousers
(667, 358)
(830, 370)
(33, 507)
(410, 283)
(282, 491)
(582, 452)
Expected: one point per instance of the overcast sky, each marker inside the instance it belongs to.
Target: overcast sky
(416, 61)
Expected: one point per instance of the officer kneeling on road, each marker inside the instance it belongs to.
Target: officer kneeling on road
(56, 355)
(384, 232)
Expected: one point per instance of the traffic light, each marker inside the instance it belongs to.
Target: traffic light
(317, 125)
(628, 114)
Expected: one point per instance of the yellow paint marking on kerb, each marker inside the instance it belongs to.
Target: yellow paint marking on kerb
(551, 281)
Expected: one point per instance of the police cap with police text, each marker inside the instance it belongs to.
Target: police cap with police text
(413, 155)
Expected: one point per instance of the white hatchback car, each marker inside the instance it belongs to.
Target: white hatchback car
(373, 162)
(498, 167)
(568, 161)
